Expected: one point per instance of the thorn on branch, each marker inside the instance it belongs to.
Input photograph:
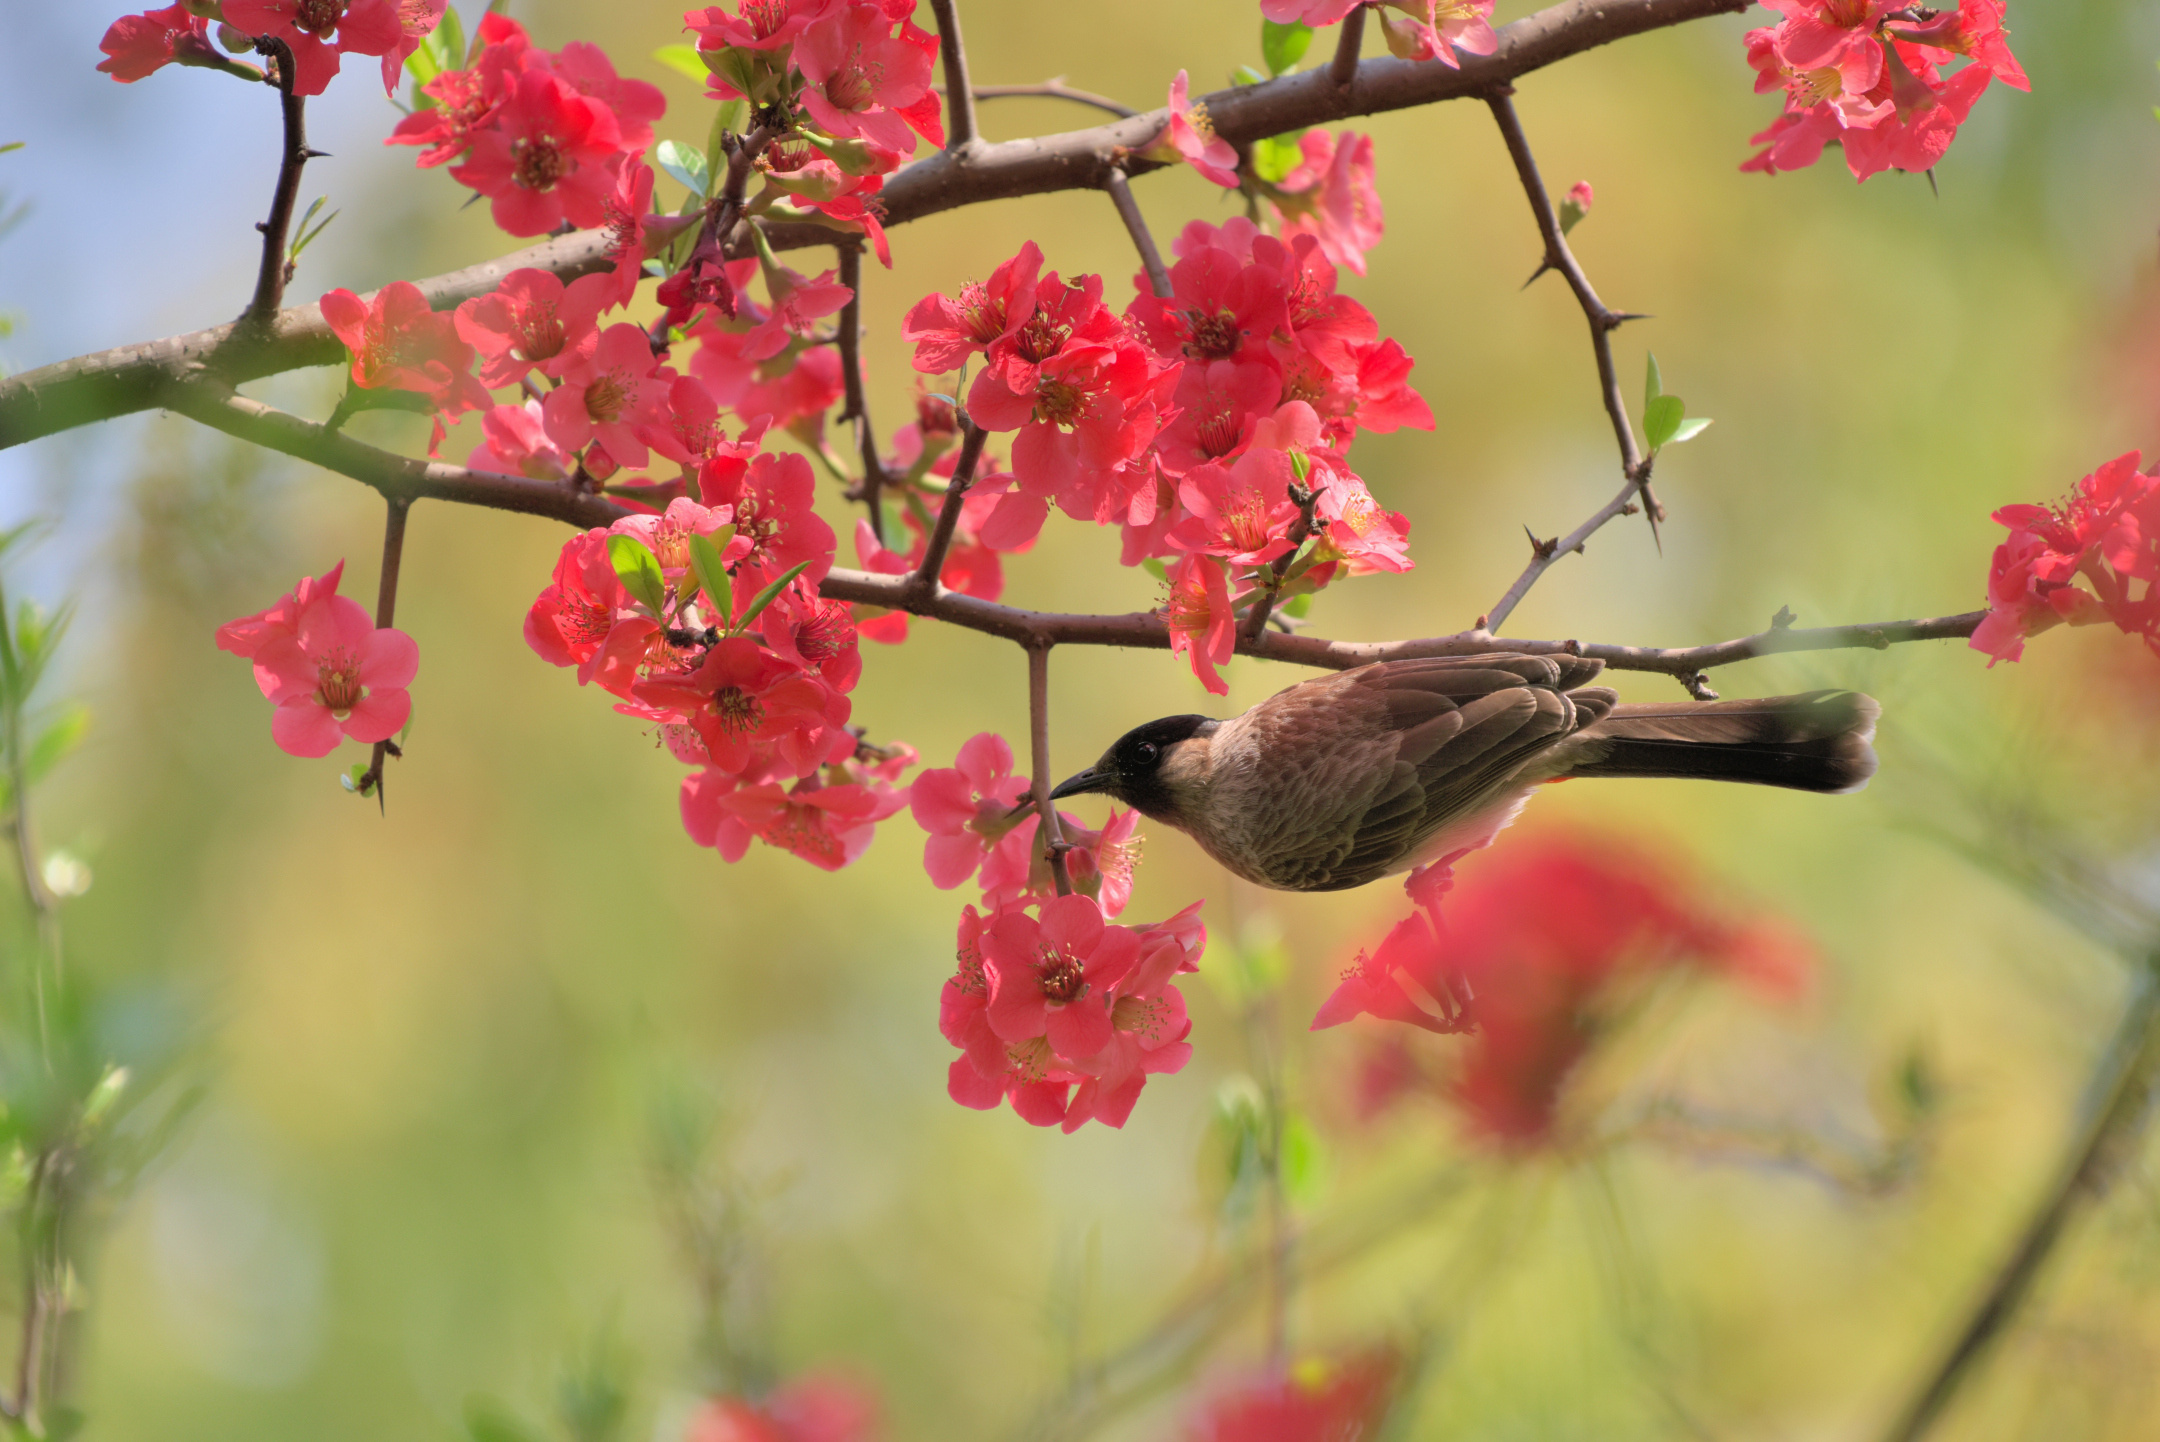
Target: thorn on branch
(1543, 550)
(271, 275)
(1783, 620)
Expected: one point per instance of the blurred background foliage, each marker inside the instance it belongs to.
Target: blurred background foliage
(477, 1071)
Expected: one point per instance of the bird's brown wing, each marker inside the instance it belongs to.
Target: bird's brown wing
(1406, 747)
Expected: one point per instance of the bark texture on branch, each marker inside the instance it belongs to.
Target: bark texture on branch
(130, 378)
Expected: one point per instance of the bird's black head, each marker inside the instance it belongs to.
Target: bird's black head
(1131, 771)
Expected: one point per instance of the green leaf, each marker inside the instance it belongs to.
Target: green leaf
(350, 778)
(1300, 466)
(639, 570)
(1246, 75)
(1298, 607)
(1155, 568)
(765, 597)
(1661, 420)
(683, 59)
(1275, 156)
(451, 35)
(303, 237)
(686, 163)
(487, 1420)
(1282, 46)
(1689, 430)
(13, 145)
(711, 572)
(61, 735)
(1653, 383)
(1571, 213)
(1303, 1160)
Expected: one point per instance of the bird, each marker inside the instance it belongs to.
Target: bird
(1343, 779)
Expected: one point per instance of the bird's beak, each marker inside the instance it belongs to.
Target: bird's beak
(1088, 780)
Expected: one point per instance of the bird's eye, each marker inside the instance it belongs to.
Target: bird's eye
(1146, 752)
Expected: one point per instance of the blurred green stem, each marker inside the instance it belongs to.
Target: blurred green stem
(2121, 1094)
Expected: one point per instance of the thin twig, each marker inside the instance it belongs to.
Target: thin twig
(857, 409)
(1047, 833)
(393, 558)
(1136, 226)
(959, 95)
(1603, 321)
(1263, 606)
(1052, 89)
(925, 580)
(2122, 1091)
(270, 278)
(1342, 70)
(1544, 553)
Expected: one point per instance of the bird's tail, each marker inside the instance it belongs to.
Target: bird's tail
(1819, 741)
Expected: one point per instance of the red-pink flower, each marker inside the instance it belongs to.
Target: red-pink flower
(135, 45)
(828, 826)
(773, 496)
(1101, 863)
(1438, 29)
(327, 668)
(1241, 512)
(990, 1071)
(1316, 1401)
(797, 302)
(2106, 534)
(543, 158)
(865, 80)
(1051, 976)
(966, 808)
(518, 444)
(1314, 13)
(323, 32)
(533, 320)
(625, 209)
(751, 708)
(399, 343)
(610, 395)
(946, 331)
(1332, 197)
(584, 617)
(1190, 136)
(1198, 612)
(760, 25)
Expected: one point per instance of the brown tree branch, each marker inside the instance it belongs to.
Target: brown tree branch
(856, 408)
(393, 560)
(216, 405)
(1048, 836)
(959, 95)
(2123, 1086)
(1603, 321)
(270, 278)
(131, 378)
(1136, 226)
(924, 582)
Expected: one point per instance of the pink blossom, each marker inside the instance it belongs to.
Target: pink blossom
(518, 444)
(533, 320)
(611, 395)
(327, 668)
(1333, 198)
(966, 808)
(544, 158)
(865, 80)
(136, 45)
(2106, 534)
(1439, 29)
(797, 302)
(1051, 976)
(1241, 512)
(1315, 13)
(624, 210)
(1200, 618)
(322, 33)
(1190, 136)
(946, 332)
(399, 343)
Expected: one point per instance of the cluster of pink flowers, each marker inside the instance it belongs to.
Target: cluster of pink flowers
(1535, 953)
(320, 33)
(327, 668)
(1867, 75)
(1064, 1014)
(1329, 194)
(543, 134)
(1193, 422)
(1053, 1007)
(2107, 534)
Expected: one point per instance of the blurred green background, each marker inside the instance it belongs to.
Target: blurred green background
(446, 1046)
